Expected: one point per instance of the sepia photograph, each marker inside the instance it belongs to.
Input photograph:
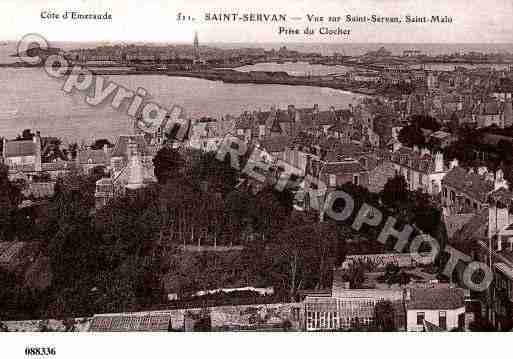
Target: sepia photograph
(341, 167)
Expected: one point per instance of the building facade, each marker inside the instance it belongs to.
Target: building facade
(443, 308)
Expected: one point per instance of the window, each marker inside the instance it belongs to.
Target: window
(356, 180)
(420, 318)
(444, 193)
(442, 319)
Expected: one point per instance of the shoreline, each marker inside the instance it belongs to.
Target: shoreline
(232, 76)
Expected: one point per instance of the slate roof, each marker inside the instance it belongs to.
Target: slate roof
(343, 167)
(471, 184)
(476, 226)
(20, 148)
(437, 298)
(276, 144)
(121, 147)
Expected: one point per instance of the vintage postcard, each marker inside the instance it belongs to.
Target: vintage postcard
(238, 166)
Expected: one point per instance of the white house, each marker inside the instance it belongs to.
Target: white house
(443, 308)
(420, 169)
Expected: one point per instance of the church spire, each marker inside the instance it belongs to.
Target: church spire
(196, 46)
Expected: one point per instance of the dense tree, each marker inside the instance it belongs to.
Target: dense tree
(304, 257)
(384, 316)
(355, 274)
(239, 205)
(394, 275)
(426, 122)
(72, 150)
(395, 191)
(168, 163)
(51, 149)
(219, 175)
(10, 198)
(271, 211)
(411, 136)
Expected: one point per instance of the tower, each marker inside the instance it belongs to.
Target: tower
(135, 167)
(196, 46)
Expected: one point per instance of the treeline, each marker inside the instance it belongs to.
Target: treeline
(128, 256)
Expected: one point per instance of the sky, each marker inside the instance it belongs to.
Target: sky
(474, 21)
